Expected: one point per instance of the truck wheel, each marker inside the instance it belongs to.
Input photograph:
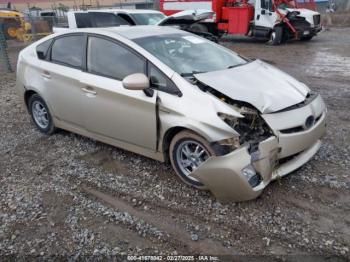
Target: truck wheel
(187, 152)
(10, 29)
(199, 28)
(276, 36)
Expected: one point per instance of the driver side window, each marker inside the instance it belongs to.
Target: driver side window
(112, 60)
(266, 4)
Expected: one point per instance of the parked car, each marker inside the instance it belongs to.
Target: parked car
(225, 123)
(187, 20)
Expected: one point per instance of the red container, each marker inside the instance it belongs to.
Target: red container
(239, 19)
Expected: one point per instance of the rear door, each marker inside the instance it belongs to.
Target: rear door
(109, 109)
(61, 74)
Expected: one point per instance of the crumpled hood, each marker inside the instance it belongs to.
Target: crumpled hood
(303, 11)
(265, 87)
(186, 17)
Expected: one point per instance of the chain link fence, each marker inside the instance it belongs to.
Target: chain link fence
(22, 31)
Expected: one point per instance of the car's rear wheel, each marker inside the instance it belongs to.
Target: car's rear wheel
(187, 152)
(40, 114)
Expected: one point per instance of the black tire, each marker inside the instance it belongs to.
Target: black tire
(178, 140)
(36, 100)
(276, 36)
(200, 28)
(306, 38)
(7, 26)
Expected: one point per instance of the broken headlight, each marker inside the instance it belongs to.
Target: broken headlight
(225, 146)
(251, 128)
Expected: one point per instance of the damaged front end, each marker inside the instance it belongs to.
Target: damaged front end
(248, 163)
(237, 172)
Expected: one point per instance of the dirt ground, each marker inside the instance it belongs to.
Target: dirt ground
(66, 195)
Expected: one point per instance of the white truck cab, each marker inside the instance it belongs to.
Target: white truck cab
(282, 21)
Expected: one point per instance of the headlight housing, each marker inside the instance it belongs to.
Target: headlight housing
(251, 128)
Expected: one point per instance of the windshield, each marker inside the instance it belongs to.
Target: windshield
(148, 19)
(188, 54)
(285, 5)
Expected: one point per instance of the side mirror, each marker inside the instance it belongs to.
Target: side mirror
(136, 81)
(263, 11)
(40, 55)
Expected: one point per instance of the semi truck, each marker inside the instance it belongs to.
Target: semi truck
(274, 20)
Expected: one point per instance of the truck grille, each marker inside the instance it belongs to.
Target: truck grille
(317, 20)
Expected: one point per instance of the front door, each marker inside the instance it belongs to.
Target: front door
(109, 109)
(265, 16)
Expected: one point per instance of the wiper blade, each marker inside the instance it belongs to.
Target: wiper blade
(192, 73)
(233, 66)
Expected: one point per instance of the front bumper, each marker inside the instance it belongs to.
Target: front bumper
(312, 31)
(223, 175)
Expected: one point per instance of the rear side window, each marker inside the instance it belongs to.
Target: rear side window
(43, 49)
(127, 18)
(110, 59)
(100, 19)
(68, 50)
(83, 20)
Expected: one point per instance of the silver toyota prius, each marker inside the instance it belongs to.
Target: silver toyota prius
(226, 124)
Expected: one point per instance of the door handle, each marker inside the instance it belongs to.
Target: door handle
(46, 74)
(89, 90)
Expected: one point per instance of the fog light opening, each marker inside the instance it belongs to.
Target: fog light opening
(251, 175)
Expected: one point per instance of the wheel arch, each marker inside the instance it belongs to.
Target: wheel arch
(27, 95)
(168, 137)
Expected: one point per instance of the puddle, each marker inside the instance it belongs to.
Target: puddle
(324, 64)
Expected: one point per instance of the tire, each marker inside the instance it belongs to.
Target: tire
(306, 38)
(9, 29)
(276, 36)
(200, 28)
(176, 154)
(41, 115)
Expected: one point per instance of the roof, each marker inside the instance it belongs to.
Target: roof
(132, 32)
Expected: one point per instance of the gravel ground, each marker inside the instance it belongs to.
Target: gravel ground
(69, 195)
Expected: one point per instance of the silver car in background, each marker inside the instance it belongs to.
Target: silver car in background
(225, 123)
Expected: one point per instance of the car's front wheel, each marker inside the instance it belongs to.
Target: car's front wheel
(306, 38)
(187, 152)
(40, 114)
(276, 36)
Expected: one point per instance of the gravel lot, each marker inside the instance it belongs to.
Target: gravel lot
(69, 195)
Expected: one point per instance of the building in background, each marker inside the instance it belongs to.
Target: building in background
(24, 5)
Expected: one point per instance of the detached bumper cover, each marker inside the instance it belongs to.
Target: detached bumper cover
(223, 175)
